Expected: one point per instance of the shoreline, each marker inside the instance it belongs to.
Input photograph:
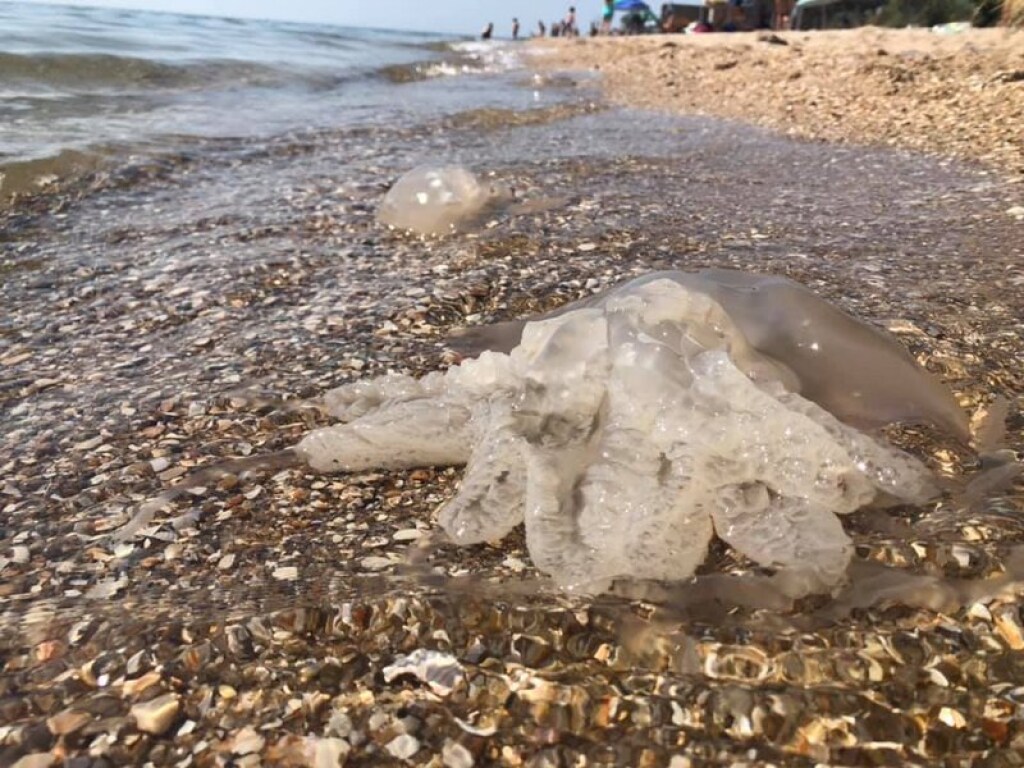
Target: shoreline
(187, 317)
(956, 95)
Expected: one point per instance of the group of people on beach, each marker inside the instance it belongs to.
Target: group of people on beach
(637, 18)
(566, 27)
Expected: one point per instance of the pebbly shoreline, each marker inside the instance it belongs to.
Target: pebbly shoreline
(279, 619)
(960, 95)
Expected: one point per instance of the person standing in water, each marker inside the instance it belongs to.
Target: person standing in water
(515, 29)
(488, 31)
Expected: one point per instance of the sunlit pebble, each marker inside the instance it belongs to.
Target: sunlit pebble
(454, 755)
(1009, 628)
(286, 573)
(226, 692)
(952, 717)
(132, 688)
(407, 534)
(247, 741)
(979, 611)
(330, 752)
(156, 716)
(186, 728)
(514, 563)
(441, 671)
(34, 760)
(403, 746)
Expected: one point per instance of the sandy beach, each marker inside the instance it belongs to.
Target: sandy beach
(956, 94)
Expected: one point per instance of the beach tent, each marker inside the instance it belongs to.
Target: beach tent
(631, 5)
(637, 14)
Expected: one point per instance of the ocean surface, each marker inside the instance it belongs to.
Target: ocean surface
(83, 87)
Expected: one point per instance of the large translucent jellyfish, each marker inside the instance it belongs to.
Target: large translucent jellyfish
(434, 200)
(628, 429)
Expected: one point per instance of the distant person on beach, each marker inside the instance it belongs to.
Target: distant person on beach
(606, 17)
(515, 29)
(541, 29)
(569, 23)
(488, 31)
(556, 28)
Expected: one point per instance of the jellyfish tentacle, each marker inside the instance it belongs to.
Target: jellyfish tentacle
(400, 435)
(552, 534)
(805, 541)
(358, 398)
(490, 498)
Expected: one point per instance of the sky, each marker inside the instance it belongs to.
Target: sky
(448, 16)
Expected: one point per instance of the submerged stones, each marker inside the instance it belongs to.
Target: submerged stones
(441, 671)
(627, 430)
(157, 715)
(434, 200)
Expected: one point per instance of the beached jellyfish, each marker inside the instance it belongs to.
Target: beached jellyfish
(628, 429)
(435, 200)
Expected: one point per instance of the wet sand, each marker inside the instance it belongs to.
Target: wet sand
(959, 94)
(163, 322)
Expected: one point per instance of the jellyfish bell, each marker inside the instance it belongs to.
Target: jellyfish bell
(856, 371)
(436, 200)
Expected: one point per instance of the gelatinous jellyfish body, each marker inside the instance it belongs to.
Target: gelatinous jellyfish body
(854, 370)
(628, 429)
(434, 200)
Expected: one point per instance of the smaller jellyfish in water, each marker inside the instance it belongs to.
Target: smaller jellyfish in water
(435, 200)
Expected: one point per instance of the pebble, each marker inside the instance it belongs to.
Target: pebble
(160, 463)
(155, 716)
(407, 534)
(134, 687)
(454, 755)
(403, 746)
(514, 563)
(1009, 629)
(67, 722)
(286, 573)
(247, 741)
(330, 753)
(374, 563)
(35, 760)
(441, 671)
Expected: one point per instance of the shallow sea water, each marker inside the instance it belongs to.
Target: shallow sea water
(164, 314)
